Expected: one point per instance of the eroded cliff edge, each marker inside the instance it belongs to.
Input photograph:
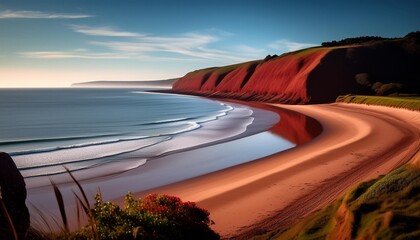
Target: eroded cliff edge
(315, 75)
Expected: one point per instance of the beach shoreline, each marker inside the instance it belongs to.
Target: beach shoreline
(265, 193)
(354, 146)
(177, 165)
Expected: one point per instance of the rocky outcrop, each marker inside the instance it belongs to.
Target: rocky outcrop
(315, 75)
(13, 194)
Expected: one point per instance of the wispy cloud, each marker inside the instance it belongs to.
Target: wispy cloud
(133, 45)
(285, 45)
(103, 31)
(77, 54)
(181, 44)
(40, 15)
(73, 54)
(185, 46)
(188, 45)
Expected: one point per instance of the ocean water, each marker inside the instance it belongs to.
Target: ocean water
(44, 129)
(121, 140)
(101, 132)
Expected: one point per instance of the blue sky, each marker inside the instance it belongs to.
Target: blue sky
(55, 43)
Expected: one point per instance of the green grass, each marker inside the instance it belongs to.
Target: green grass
(408, 102)
(304, 52)
(384, 208)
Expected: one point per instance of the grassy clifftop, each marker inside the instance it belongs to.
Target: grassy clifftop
(408, 102)
(384, 208)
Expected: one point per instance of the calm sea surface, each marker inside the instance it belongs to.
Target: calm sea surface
(44, 128)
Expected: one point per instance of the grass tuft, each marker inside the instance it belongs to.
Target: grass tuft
(408, 102)
(60, 201)
(85, 205)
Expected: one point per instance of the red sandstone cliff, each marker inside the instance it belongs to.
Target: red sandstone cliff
(315, 75)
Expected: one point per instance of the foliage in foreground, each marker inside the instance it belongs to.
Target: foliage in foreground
(153, 217)
(383, 208)
(412, 103)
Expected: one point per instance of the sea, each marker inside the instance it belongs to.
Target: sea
(101, 132)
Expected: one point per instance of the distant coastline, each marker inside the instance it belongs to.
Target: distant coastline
(166, 83)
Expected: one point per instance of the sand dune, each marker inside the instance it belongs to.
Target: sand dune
(358, 143)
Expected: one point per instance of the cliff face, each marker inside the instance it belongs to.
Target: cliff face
(279, 79)
(315, 75)
(284, 78)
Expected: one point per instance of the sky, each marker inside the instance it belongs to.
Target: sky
(54, 43)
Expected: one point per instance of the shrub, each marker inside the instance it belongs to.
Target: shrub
(153, 217)
(363, 79)
(383, 89)
(352, 41)
(269, 57)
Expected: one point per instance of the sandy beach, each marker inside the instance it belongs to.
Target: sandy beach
(247, 196)
(358, 143)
